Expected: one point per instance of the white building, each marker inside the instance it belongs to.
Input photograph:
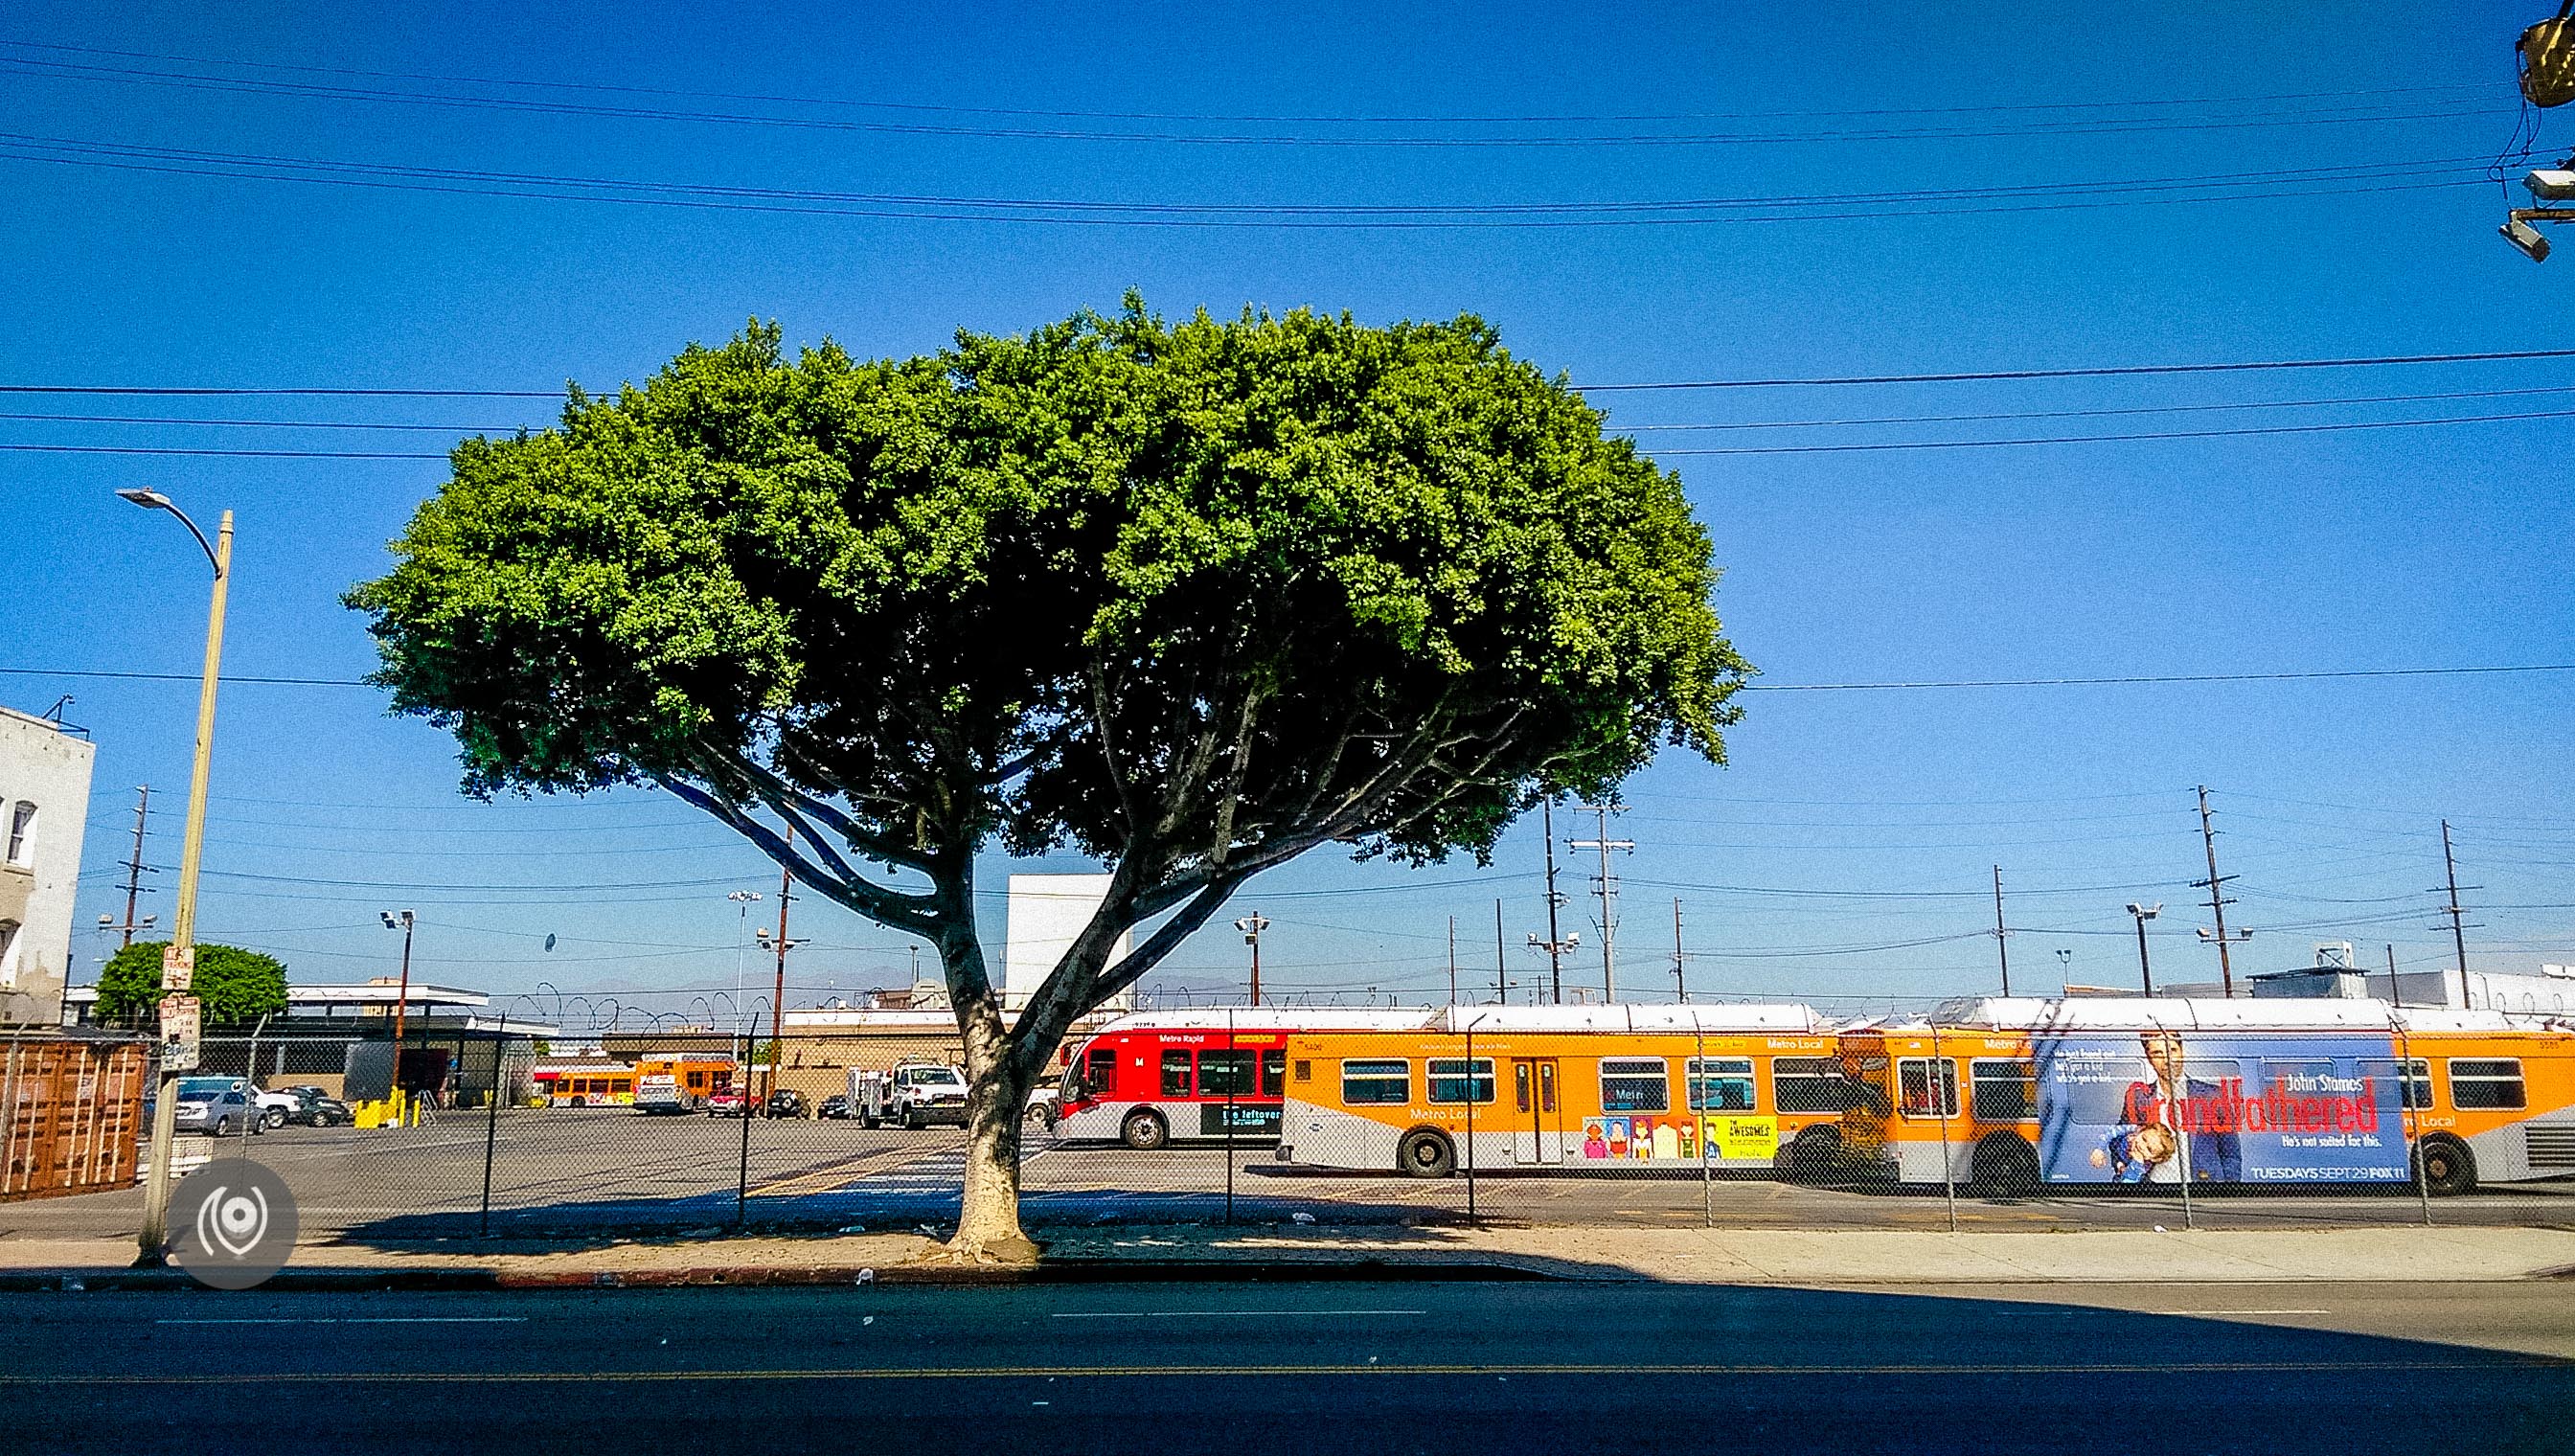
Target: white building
(44, 806)
(1047, 913)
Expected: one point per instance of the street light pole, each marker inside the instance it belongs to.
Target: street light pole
(1251, 925)
(2144, 914)
(400, 921)
(178, 964)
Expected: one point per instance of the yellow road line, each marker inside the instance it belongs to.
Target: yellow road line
(1056, 1372)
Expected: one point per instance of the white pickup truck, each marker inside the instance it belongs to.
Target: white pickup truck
(915, 1094)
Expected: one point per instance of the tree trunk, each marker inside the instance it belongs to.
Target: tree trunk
(987, 1225)
(996, 1095)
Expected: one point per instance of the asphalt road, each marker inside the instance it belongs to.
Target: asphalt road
(558, 1172)
(1380, 1368)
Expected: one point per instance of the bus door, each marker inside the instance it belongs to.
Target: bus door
(1537, 1117)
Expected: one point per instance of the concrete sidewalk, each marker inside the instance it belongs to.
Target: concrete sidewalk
(1696, 1256)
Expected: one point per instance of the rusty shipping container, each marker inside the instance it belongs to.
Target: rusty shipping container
(74, 1110)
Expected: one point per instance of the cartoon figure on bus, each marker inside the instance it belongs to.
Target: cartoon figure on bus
(2146, 1145)
(1595, 1138)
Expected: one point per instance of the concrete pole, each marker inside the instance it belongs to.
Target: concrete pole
(154, 1241)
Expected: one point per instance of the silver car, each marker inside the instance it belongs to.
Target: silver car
(221, 1110)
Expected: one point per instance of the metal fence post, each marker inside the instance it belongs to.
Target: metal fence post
(1233, 1073)
(1696, 1100)
(1470, 1121)
(741, 1170)
(1940, 1084)
(2181, 1133)
(492, 1114)
(2405, 1118)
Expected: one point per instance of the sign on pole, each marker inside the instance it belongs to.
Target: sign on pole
(178, 968)
(180, 1027)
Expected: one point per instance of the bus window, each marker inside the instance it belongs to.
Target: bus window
(1102, 1072)
(1720, 1083)
(1449, 1078)
(1304, 1069)
(2413, 1081)
(2002, 1092)
(1520, 1084)
(2482, 1084)
(1176, 1074)
(1224, 1074)
(1914, 1074)
(1377, 1083)
(696, 1081)
(1273, 1072)
(1634, 1084)
(1808, 1084)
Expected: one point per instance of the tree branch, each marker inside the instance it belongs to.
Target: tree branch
(894, 908)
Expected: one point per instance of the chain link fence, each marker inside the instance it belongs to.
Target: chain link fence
(1238, 1117)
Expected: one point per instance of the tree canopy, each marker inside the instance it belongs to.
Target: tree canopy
(1186, 599)
(232, 985)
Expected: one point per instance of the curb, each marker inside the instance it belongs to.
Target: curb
(758, 1276)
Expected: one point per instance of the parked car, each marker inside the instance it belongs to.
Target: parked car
(316, 1108)
(915, 1094)
(277, 1109)
(835, 1108)
(221, 1110)
(724, 1104)
(786, 1103)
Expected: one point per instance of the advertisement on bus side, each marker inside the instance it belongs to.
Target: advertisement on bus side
(2156, 1106)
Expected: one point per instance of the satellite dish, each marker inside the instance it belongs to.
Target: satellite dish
(2547, 52)
(550, 943)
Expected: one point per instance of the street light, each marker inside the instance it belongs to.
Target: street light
(1251, 925)
(400, 921)
(179, 1008)
(2144, 914)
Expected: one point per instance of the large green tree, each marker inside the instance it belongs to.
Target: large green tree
(233, 984)
(1187, 600)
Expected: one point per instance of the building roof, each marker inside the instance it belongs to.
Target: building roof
(2201, 1013)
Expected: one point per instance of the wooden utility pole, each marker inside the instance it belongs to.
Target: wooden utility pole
(1680, 982)
(2458, 927)
(2219, 901)
(777, 997)
(134, 868)
(1501, 969)
(1452, 960)
(1606, 887)
(2001, 951)
(1554, 939)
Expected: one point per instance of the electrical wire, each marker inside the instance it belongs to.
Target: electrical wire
(2045, 197)
(2461, 107)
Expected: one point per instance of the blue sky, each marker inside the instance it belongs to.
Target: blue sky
(1881, 811)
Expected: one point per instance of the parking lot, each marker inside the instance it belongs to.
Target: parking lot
(565, 1171)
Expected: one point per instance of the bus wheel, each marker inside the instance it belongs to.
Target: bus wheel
(1810, 1155)
(1427, 1155)
(1144, 1130)
(2446, 1165)
(2004, 1167)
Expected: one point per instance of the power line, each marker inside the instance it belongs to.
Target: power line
(1987, 417)
(2091, 371)
(2461, 107)
(2336, 428)
(2475, 88)
(1882, 687)
(1757, 381)
(2337, 181)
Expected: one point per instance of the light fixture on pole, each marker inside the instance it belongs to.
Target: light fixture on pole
(2144, 914)
(179, 1007)
(1251, 925)
(400, 921)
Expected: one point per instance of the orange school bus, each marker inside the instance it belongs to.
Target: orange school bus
(1576, 1089)
(2011, 1095)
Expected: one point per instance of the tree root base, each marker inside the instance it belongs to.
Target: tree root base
(1012, 1252)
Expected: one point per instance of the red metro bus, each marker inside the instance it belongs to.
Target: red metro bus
(1156, 1077)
